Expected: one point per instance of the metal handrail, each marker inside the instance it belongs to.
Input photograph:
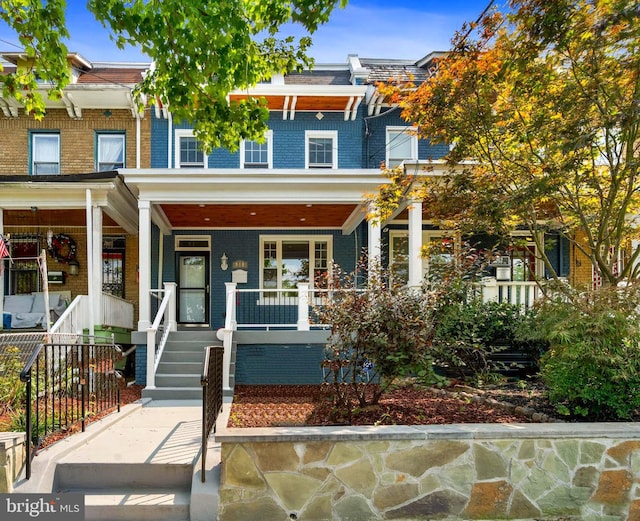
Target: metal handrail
(211, 396)
(72, 383)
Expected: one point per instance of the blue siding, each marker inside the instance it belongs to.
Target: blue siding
(296, 364)
(141, 364)
(375, 140)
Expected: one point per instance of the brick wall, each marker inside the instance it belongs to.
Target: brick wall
(77, 139)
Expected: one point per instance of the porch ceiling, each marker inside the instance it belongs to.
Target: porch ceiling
(258, 215)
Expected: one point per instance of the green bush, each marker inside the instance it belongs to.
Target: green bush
(592, 367)
(378, 335)
(12, 389)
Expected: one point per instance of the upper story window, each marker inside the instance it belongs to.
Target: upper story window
(401, 145)
(45, 153)
(257, 155)
(189, 153)
(110, 152)
(321, 150)
(288, 260)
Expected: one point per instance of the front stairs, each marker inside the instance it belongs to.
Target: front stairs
(180, 367)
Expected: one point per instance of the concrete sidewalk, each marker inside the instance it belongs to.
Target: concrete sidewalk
(144, 432)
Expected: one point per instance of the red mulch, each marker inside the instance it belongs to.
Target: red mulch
(298, 405)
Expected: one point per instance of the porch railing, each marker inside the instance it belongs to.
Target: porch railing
(116, 312)
(158, 332)
(211, 381)
(66, 384)
(295, 308)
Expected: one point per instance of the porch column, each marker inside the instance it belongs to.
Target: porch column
(144, 260)
(96, 261)
(374, 248)
(90, 264)
(3, 264)
(415, 244)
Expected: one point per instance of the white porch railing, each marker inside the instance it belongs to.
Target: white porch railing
(164, 323)
(270, 309)
(116, 312)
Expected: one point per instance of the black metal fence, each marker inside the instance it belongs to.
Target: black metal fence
(66, 386)
(211, 381)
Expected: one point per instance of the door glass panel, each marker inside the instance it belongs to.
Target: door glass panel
(193, 293)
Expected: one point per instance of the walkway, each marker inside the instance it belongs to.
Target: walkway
(145, 432)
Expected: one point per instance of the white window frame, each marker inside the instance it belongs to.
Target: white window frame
(269, 142)
(390, 133)
(34, 137)
(279, 239)
(322, 134)
(180, 133)
(120, 135)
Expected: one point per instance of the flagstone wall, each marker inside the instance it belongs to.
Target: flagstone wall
(12, 458)
(526, 471)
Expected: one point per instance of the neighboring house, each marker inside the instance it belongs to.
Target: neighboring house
(60, 190)
(234, 240)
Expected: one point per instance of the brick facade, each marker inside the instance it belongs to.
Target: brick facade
(77, 139)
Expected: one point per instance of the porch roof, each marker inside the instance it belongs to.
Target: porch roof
(256, 198)
(65, 199)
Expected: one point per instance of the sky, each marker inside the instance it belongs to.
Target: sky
(404, 29)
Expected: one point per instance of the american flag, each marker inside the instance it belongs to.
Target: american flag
(4, 252)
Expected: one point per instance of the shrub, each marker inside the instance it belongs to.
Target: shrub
(12, 389)
(592, 367)
(377, 336)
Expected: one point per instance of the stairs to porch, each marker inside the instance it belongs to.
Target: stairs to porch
(180, 366)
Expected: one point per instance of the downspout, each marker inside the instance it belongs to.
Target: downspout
(169, 140)
(137, 140)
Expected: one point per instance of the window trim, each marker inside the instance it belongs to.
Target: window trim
(269, 138)
(178, 134)
(110, 133)
(428, 236)
(330, 134)
(393, 130)
(32, 148)
(279, 239)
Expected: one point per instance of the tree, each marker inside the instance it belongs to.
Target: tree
(544, 100)
(201, 51)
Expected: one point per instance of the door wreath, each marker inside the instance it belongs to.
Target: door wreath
(63, 248)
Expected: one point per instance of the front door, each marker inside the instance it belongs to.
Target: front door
(193, 288)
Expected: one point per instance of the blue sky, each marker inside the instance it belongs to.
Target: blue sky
(407, 29)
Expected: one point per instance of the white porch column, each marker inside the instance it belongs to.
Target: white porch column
(3, 265)
(90, 264)
(415, 244)
(144, 260)
(303, 306)
(374, 247)
(96, 261)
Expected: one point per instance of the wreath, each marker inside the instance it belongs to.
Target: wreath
(63, 248)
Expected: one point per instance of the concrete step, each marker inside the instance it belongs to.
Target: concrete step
(173, 393)
(179, 367)
(179, 380)
(98, 476)
(190, 345)
(206, 335)
(183, 356)
(136, 505)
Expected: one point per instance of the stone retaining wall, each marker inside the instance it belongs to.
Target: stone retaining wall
(12, 458)
(509, 471)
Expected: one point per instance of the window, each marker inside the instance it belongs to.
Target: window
(24, 272)
(287, 261)
(110, 152)
(257, 155)
(401, 145)
(189, 153)
(321, 149)
(440, 246)
(45, 153)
